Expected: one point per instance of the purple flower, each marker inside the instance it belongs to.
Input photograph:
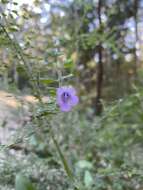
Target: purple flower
(66, 98)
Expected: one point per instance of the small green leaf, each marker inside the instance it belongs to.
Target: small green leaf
(15, 3)
(23, 183)
(52, 92)
(47, 81)
(13, 28)
(84, 164)
(68, 64)
(88, 180)
(4, 1)
(67, 76)
(14, 11)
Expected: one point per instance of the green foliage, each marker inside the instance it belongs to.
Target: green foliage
(22, 183)
(103, 152)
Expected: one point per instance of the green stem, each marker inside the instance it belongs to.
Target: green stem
(65, 163)
(67, 169)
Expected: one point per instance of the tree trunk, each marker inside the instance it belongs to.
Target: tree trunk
(136, 37)
(98, 103)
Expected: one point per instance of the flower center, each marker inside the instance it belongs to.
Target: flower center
(65, 97)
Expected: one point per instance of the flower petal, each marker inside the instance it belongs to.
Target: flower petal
(59, 100)
(71, 90)
(60, 91)
(65, 107)
(74, 100)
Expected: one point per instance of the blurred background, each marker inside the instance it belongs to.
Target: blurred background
(101, 42)
(96, 46)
